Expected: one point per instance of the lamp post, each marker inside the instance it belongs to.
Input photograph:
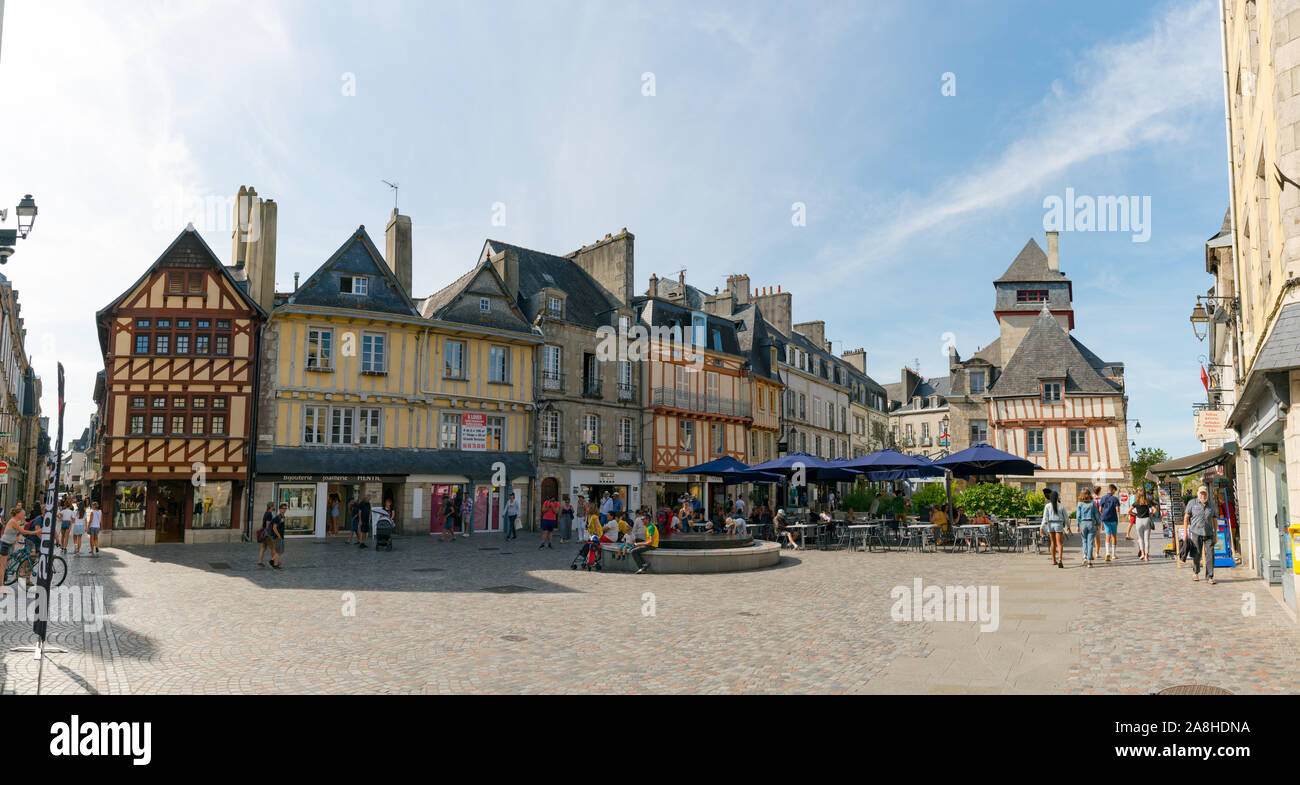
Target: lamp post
(1207, 309)
(26, 215)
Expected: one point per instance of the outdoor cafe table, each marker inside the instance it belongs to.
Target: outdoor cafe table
(803, 527)
(861, 527)
(923, 526)
(966, 530)
(1023, 527)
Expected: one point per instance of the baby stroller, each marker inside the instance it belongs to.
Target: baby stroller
(382, 526)
(589, 555)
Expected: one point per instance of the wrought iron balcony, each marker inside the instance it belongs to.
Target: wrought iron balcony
(693, 402)
(591, 386)
(552, 450)
(627, 454)
(552, 381)
(626, 391)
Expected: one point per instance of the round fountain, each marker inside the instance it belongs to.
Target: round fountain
(685, 552)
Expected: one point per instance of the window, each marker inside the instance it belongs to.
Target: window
(223, 345)
(368, 427)
(925, 431)
(137, 402)
(1078, 441)
(1031, 296)
(496, 433)
(196, 283)
(449, 432)
(1034, 440)
(686, 439)
(590, 429)
(218, 403)
(142, 344)
(156, 423)
(137, 424)
(164, 322)
(499, 364)
(698, 321)
(223, 324)
(162, 344)
(551, 368)
(453, 360)
(817, 445)
(197, 421)
(354, 284)
(159, 402)
(319, 348)
(141, 322)
(625, 434)
(555, 307)
(178, 403)
(202, 344)
(341, 426)
(182, 324)
(551, 429)
(204, 324)
(719, 438)
(313, 425)
(803, 407)
(979, 431)
(976, 382)
(484, 304)
(175, 283)
(372, 353)
(1051, 392)
(218, 425)
(199, 403)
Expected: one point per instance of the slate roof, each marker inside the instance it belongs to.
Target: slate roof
(357, 256)
(445, 305)
(586, 303)
(754, 336)
(1282, 347)
(1048, 352)
(939, 385)
(668, 288)
(659, 313)
(439, 299)
(1030, 265)
(991, 354)
(389, 461)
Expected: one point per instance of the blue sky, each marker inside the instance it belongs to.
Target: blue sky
(128, 118)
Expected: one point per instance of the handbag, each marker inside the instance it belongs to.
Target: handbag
(261, 534)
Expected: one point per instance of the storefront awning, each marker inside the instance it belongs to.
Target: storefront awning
(1191, 464)
(388, 462)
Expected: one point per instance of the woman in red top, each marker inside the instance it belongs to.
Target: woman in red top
(550, 516)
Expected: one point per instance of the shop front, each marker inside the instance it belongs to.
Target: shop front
(1260, 419)
(594, 483)
(141, 511)
(318, 504)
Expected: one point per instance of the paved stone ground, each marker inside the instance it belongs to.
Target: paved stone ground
(205, 619)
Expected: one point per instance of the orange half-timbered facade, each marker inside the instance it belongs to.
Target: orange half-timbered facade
(180, 349)
(698, 393)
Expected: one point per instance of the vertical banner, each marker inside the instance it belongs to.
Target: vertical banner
(47, 528)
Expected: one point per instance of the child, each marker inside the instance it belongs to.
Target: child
(625, 546)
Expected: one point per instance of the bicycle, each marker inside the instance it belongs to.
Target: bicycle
(22, 563)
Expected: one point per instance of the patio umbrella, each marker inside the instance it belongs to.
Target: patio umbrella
(893, 460)
(981, 459)
(731, 472)
(815, 469)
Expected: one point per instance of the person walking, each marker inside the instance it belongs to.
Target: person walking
(66, 515)
(1201, 532)
(1109, 506)
(276, 536)
(78, 528)
(266, 535)
(448, 518)
(512, 515)
(1096, 494)
(1055, 522)
(1142, 509)
(606, 507)
(334, 510)
(354, 521)
(1088, 518)
(550, 519)
(364, 511)
(567, 521)
(92, 527)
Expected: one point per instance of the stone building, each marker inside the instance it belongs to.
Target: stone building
(590, 424)
(19, 405)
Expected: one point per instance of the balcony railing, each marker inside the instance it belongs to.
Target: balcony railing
(552, 381)
(626, 391)
(693, 402)
(591, 386)
(627, 454)
(552, 450)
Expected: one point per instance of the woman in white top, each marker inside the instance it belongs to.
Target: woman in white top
(65, 523)
(1055, 522)
(78, 528)
(93, 521)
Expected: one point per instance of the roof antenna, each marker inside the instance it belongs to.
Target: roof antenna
(394, 186)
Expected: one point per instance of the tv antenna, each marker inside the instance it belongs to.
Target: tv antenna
(394, 186)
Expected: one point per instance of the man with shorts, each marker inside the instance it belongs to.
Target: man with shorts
(275, 534)
(1109, 506)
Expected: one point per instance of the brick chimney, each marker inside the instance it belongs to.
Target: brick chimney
(397, 248)
(738, 286)
(776, 307)
(857, 358)
(1053, 263)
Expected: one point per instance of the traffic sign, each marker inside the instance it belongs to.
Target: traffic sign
(4, 467)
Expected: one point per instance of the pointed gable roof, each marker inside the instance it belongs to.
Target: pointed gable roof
(450, 304)
(1030, 265)
(587, 303)
(1049, 352)
(357, 256)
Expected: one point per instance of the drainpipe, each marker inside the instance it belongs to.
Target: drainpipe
(1238, 282)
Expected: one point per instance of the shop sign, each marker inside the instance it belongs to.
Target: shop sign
(593, 451)
(473, 432)
(340, 478)
(606, 478)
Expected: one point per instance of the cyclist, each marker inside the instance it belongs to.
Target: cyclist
(9, 538)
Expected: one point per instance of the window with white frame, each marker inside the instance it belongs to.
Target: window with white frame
(590, 429)
(453, 360)
(499, 364)
(1052, 392)
(320, 344)
(1034, 440)
(719, 438)
(1078, 441)
(354, 284)
(979, 431)
(484, 304)
(554, 307)
(449, 432)
(341, 426)
(373, 353)
(686, 435)
(369, 423)
(625, 443)
(698, 321)
(551, 427)
(551, 368)
(313, 424)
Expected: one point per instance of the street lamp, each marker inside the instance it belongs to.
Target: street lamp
(1137, 426)
(1207, 310)
(26, 213)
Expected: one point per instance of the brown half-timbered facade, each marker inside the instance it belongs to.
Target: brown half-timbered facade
(180, 349)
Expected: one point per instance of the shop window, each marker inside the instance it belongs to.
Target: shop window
(129, 504)
(212, 505)
(300, 518)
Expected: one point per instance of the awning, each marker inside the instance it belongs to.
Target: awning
(1192, 464)
(394, 463)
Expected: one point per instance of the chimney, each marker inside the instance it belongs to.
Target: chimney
(813, 331)
(1053, 263)
(295, 282)
(776, 308)
(612, 263)
(653, 291)
(507, 266)
(253, 249)
(738, 285)
(857, 358)
(397, 248)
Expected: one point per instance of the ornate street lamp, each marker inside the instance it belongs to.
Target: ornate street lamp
(26, 211)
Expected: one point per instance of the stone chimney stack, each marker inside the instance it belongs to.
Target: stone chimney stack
(738, 286)
(1053, 263)
(653, 291)
(777, 308)
(397, 248)
(813, 331)
(611, 262)
(253, 246)
(507, 266)
(857, 358)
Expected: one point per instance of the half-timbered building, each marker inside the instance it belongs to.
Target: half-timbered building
(180, 348)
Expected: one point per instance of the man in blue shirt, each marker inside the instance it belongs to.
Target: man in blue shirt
(1201, 531)
(1109, 506)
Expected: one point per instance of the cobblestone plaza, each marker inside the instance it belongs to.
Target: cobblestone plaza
(486, 616)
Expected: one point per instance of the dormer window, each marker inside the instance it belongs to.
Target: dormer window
(1031, 295)
(555, 307)
(484, 305)
(354, 284)
(1052, 391)
(976, 382)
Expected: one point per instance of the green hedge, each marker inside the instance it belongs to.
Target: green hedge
(1003, 501)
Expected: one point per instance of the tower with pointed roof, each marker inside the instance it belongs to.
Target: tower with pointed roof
(1033, 281)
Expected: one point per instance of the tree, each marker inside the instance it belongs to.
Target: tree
(1146, 458)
